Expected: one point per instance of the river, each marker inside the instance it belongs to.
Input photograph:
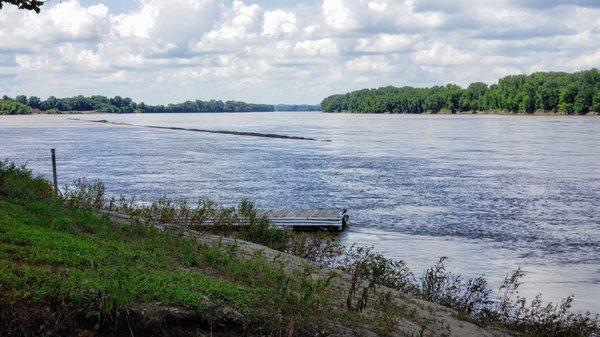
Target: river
(491, 193)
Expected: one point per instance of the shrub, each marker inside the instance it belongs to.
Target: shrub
(85, 194)
(370, 270)
(17, 182)
(473, 300)
(10, 107)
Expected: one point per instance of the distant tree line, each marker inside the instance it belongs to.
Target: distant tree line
(570, 93)
(22, 104)
(297, 107)
(205, 106)
(98, 103)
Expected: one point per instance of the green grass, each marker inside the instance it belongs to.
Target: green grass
(48, 251)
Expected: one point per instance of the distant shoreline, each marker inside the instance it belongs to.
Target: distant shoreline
(150, 113)
(470, 113)
(458, 113)
(23, 105)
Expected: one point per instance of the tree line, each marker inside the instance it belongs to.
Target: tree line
(569, 93)
(22, 104)
(206, 106)
(297, 107)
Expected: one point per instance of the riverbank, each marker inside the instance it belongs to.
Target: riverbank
(99, 272)
(512, 113)
(441, 112)
(70, 270)
(487, 112)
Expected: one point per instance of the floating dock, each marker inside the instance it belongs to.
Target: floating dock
(301, 220)
(321, 219)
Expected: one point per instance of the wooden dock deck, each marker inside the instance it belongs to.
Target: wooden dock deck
(298, 219)
(321, 219)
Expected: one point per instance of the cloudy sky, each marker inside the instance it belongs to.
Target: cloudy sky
(285, 51)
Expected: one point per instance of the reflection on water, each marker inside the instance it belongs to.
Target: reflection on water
(489, 192)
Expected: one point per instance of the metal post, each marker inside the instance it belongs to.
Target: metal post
(54, 178)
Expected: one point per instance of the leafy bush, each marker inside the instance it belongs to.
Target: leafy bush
(85, 194)
(469, 297)
(370, 270)
(10, 107)
(17, 182)
(474, 300)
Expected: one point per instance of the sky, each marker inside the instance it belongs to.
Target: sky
(285, 51)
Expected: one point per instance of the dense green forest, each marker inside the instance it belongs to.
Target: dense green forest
(52, 104)
(569, 93)
(22, 104)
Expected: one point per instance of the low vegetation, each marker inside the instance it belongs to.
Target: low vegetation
(93, 274)
(66, 267)
(567, 93)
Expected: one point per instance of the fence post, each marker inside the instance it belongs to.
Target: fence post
(54, 177)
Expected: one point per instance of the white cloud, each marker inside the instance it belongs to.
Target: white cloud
(377, 6)
(278, 23)
(173, 20)
(339, 15)
(91, 59)
(322, 47)
(384, 43)
(67, 21)
(164, 51)
(587, 60)
(76, 22)
(441, 54)
(28, 62)
(240, 24)
(136, 24)
(367, 64)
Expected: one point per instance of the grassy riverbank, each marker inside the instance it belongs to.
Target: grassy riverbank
(69, 269)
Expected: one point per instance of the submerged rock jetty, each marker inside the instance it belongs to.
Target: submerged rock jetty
(226, 132)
